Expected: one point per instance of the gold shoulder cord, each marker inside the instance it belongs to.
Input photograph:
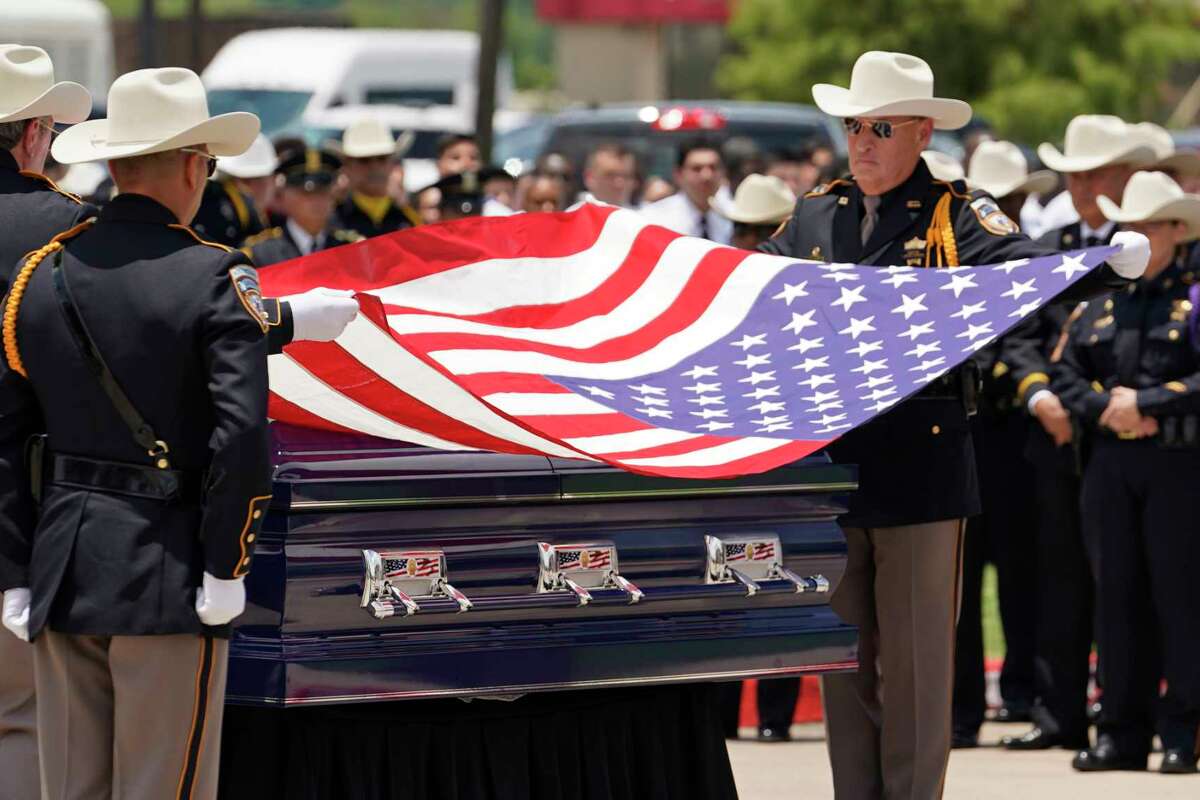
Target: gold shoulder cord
(939, 238)
(12, 307)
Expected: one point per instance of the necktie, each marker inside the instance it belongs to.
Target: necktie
(870, 217)
(704, 225)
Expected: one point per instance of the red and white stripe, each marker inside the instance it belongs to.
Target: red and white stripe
(460, 322)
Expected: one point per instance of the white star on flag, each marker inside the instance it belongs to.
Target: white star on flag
(1009, 266)
(763, 391)
(646, 389)
(655, 412)
(921, 350)
(850, 297)
(747, 341)
(801, 321)
(1019, 288)
(753, 360)
(910, 305)
(960, 279)
(596, 391)
(1028, 308)
(869, 366)
(970, 309)
(805, 345)
(817, 380)
(809, 364)
(700, 372)
(701, 388)
(975, 331)
(871, 383)
(862, 348)
(791, 291)
(858, 327)
(918, 330)
(1070, 265)
(705, 400)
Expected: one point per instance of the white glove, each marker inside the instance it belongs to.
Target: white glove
(16, 612)
(218, 601)
(1131, 260)
(320, 315)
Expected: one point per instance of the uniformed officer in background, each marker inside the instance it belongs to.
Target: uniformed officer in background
(236, 200)
(1128, 372)
(140, 351)
(33, 210)
(1100, 153)
(889, 723)
(307, 200)
(1004, 533)
(460, 195)
(368, 151)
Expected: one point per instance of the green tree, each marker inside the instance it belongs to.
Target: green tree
(1027, 66)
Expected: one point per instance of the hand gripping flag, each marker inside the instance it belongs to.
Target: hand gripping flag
(592, 334)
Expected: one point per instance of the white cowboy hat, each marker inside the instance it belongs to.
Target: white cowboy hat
(28, 90)
(1000, 168)
(759, 200)
(369, 137)
(1152, 197)
(259, 161)
(1094, 141)
(1183, 162)
(891, 85)
(151, 111)
(942, 166)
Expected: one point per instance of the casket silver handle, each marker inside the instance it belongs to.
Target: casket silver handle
(817, 584)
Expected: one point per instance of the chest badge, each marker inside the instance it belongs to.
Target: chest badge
(816, 253)
(914, 252)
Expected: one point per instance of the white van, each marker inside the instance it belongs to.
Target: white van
(76, 33)
(289, 76)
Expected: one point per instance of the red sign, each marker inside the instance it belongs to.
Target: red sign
(633, 10)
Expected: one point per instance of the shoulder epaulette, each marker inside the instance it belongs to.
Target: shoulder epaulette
(205, 242)
(262, 236)
(346, 235)
(37, 176)
(950, 188)
(826, 188)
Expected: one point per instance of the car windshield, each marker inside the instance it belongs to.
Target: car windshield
(656, 150)
(276, 109)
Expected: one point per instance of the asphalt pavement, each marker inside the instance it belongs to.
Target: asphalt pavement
(799, 770)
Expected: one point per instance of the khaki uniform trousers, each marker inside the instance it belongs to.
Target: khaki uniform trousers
(18, 721)
(129, 717)
(888, 724)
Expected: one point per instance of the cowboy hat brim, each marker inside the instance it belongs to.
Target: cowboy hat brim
(66, 101)
(947, 114)
(1038, 182)
(1137, 155)
(1182, 209)
(1184, 162)
(225, 135)
(396, 149)
(767, 216)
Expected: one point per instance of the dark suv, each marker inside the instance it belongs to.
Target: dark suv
(654, 131)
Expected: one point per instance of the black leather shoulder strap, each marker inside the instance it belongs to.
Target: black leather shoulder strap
(142, 433)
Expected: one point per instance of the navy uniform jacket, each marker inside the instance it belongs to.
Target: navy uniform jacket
(32, 211)
(351, 216)
(227, 215)
(1138, 338)
(276, 244)
(179, 324)
(916, 461)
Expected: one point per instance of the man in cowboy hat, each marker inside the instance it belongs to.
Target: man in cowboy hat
(306, 197)
(139, 351)
(236, 199)
(1101, 152)
(1128, 372)
(33, 210)
(889, 723)
(760, 205)
(368, 151)
(1003, 533)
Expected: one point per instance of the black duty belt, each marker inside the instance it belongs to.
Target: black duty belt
(116, 477)
(1174, 433)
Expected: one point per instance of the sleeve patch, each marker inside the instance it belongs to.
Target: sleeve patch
(245, 282)
(993, 220)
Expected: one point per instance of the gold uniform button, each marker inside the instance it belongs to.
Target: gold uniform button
(1173, 335)
(935, 430)
(250, 538)
(245, 562)
(257, 514)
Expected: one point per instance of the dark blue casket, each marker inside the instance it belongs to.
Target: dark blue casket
(387, 571)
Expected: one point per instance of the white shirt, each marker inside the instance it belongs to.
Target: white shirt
(679, 214)
(303, 239)
(1058, 213)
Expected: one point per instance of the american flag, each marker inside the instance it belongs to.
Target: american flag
(592, 334)
(583, 558)
(750, 551)
(411, 567)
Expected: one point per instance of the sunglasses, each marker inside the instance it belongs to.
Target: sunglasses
(210, 161)
(882, 128)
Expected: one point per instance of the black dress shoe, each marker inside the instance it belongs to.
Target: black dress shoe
(773, 735)
(1038, 739)
(1013, 714)
(1178, 762)
(964, 740)
(1105, 757)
